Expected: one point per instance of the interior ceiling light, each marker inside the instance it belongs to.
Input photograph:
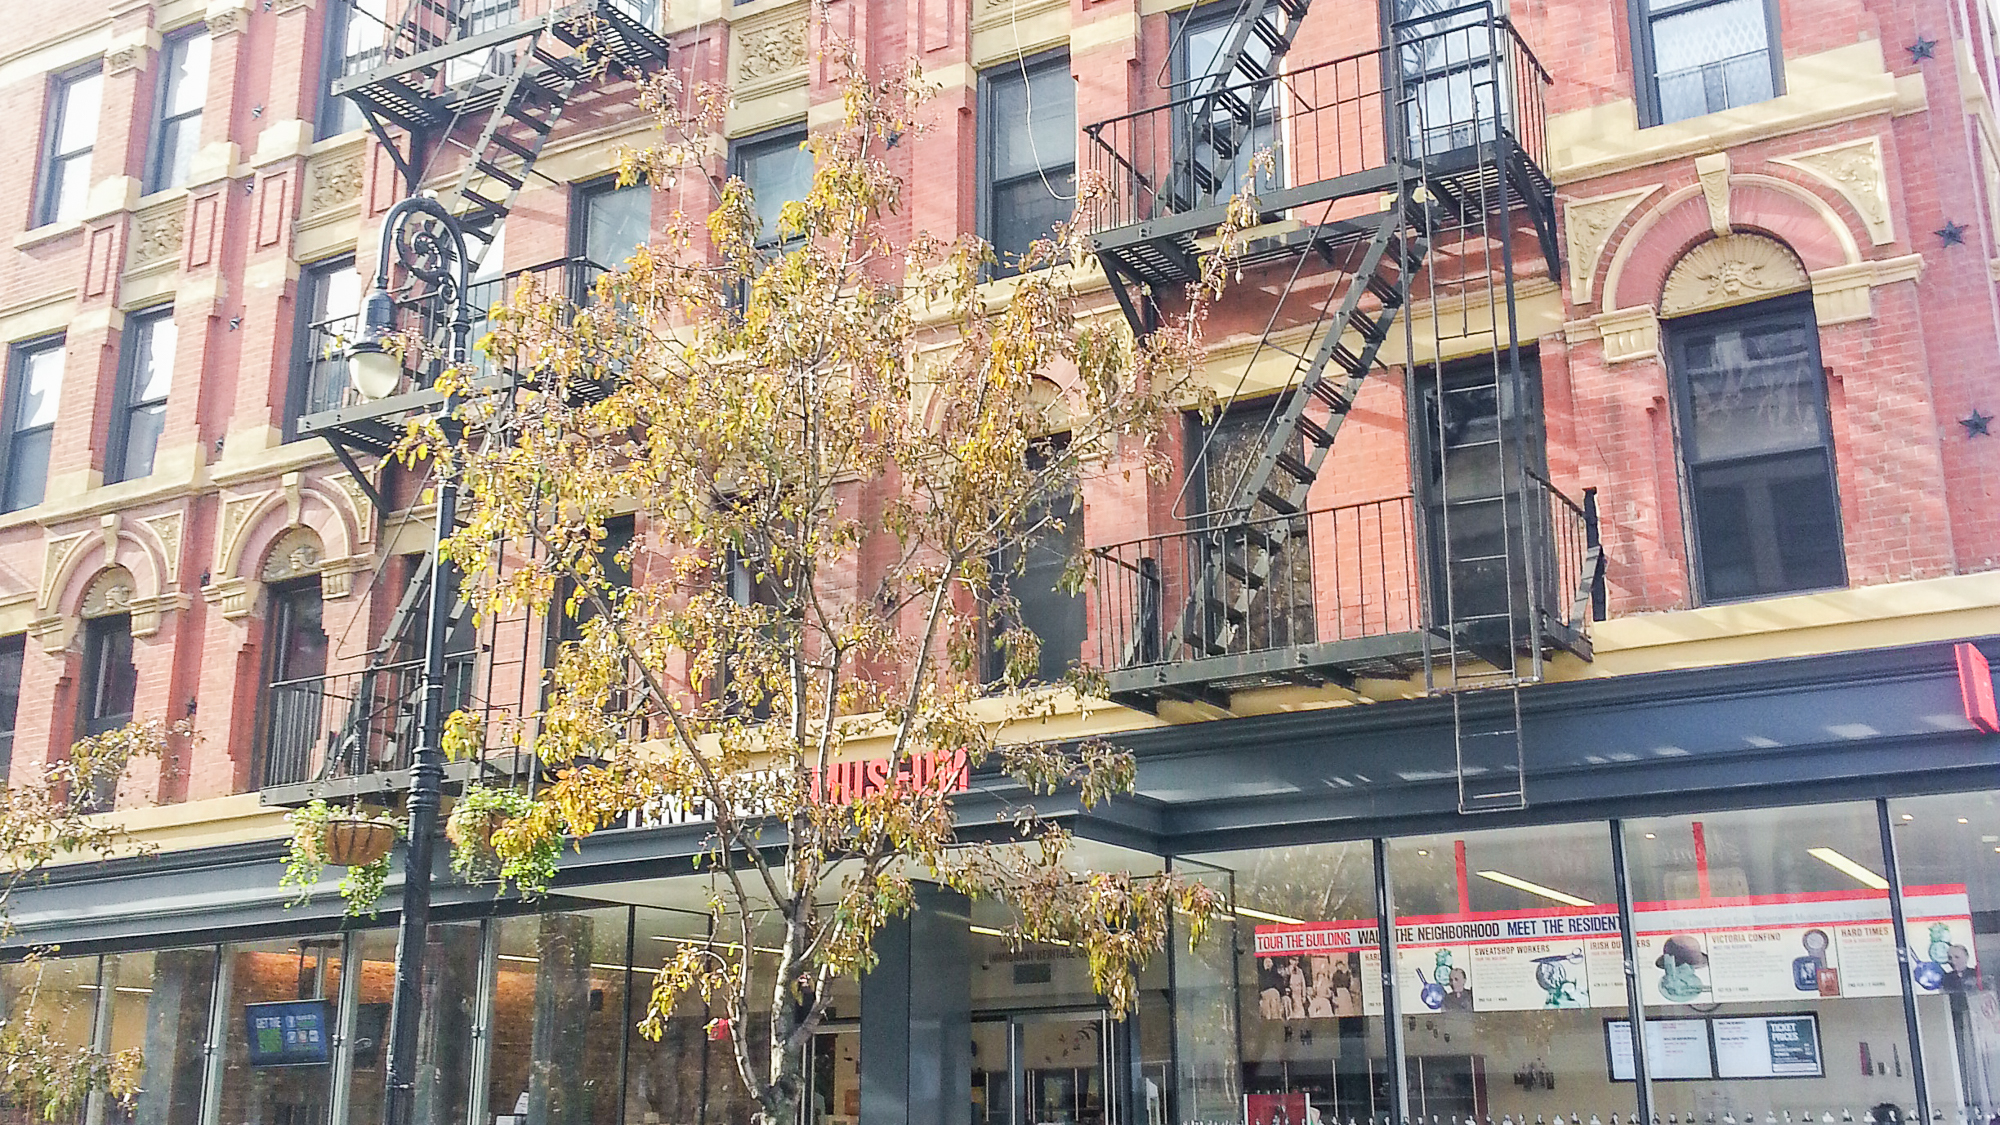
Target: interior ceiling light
(1247, 912)
(991, 932)
(1519, 884)
(1849, 868)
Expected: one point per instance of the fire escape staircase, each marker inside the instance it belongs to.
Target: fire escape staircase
(1190, 616)
(421, 103)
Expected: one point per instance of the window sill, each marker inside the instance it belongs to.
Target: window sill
(28, 239)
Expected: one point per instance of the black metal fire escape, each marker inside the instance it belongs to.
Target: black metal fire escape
(488, 83)
(1402, 180)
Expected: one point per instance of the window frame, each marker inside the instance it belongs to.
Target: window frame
(741, 149)
(1220, 13)
(18, 355)
(156, 151)
(986, 135)
(92, 684)
(298, 392)
(139, 325)
(1640, 15)
(1796, 305)
(334, 66)
(55, 113)
(1003, 571)
(586, 270)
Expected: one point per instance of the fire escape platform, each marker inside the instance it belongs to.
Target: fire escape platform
(383, 784)
(1211, 680)
(407, 90)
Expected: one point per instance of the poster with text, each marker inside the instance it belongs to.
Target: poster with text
(1520, 976)
(1674, 968)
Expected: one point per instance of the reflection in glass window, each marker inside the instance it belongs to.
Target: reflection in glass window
(160, 1006)
(1709, 55)
(1295, 968)
(1212, 179)
(1758, 448)
(329, 305)
(777, 170)
(1766, 952)
(34, 389)
(1948, 859)
(615, 222)
(177, 112)
(143, 386)
(446, 1040)
(558, 1018)
(295, 979)
(1029, 147)
(57, 998)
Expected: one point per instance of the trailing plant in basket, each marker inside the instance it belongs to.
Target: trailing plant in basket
(308, 854)
(487, 841)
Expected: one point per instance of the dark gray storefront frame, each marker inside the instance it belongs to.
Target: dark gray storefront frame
(1865, 725)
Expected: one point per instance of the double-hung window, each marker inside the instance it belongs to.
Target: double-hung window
(109, 678)
(1028, 574)
(1758, 449)
(12, 650)
(356, 34)
(778, 169)
(145, 376)
(69, 136)
(294, 681)
(1704, 56)
(329, 302)
(1215, 149)
(1028, 146)
(177, 109)
(612, 222)
(34, 384)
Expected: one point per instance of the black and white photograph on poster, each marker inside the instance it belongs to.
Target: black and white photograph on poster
(1309, 986)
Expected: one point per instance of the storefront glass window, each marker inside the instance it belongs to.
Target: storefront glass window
(682, 1075)
(1508, 965)
(160, 1005)
(54, 1000)
(559, 1019)
(1948, 858)
(1767, 964)
(282, 1007)
(1293, 974)
(445, 1040)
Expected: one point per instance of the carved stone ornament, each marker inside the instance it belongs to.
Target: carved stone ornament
(1854, 169)
(126, 58)
(109, 594)
(230, 595)
(227, 21)
(297, 554)
(1732, 270)
(1588, 223)
(332, 181)
(772, 51)
(168, 528)
(157, 235)
(1713, 172)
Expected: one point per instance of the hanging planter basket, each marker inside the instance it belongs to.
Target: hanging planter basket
(474, 828)
(357, 842)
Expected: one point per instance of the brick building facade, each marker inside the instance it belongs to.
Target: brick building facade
(1742, 191)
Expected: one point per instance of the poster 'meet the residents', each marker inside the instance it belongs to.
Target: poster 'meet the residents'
(1759, 949)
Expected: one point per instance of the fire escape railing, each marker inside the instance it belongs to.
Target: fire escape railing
(1333, 119)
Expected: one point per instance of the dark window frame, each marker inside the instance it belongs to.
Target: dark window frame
(305, 363)
(1222, 13)
(337, 63)
(117, 454)
(585, 270)
(1797, 307)
(740, 151)
(93, 684)
(18, 356)
(1640, 15)
(156, 150)
(13, 659)
(991, 80)
(55, 113)
(992, 659)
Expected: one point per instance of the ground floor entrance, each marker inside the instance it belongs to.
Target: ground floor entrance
(1045, 1068)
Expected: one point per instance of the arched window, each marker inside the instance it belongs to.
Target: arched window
(1751, 414)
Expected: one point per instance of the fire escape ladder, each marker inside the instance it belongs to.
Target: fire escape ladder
(518, 125)
(1244, 547)
(1231, 96)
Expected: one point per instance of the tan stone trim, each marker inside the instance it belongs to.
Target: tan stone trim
(767, 51)
(1842, 294)
(1629, 334)
(282, 140)
(36, 236)
(1735, 269)
(112, 195)
(1712, 170)
(1104, 31)
(1034, 27)
(1587, 227)
(38, 316)
(58, 52)
(1842, 84)
(157, 234)
(1853, 169)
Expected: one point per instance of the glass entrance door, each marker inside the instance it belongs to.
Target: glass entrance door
(1044, 1068)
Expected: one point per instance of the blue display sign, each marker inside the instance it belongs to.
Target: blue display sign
(288, 1033)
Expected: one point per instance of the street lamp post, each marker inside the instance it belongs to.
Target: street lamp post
(427, 241)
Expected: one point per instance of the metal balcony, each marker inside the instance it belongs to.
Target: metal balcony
(1454, 102)
(1350, 597)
